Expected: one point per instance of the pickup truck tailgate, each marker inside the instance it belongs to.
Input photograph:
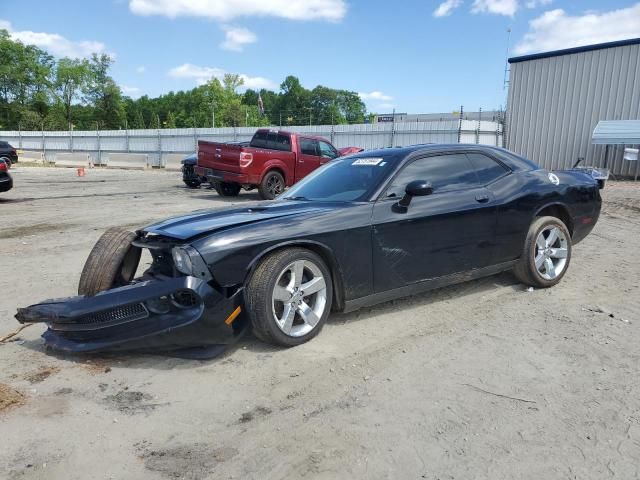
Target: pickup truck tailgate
(219, 156)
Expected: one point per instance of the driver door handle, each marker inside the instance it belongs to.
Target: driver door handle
(482, 198)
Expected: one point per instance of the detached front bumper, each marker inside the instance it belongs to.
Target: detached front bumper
(160, 314)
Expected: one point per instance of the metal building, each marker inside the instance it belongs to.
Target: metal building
(556, 99)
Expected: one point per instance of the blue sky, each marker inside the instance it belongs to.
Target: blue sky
(412, 55)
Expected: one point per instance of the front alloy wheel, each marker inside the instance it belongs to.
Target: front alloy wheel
(289, 296)
(299, 298)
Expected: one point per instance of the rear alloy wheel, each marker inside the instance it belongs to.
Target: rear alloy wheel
(272, 185)
(226, 189)
(289, 297)
(546, 254)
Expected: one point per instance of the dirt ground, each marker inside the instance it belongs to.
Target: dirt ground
(483, 380)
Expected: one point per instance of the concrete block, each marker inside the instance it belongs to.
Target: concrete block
(72, 160)
(171, 161)
(31, 156)
(137, 161)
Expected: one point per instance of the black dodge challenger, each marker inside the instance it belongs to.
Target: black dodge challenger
(362, 229)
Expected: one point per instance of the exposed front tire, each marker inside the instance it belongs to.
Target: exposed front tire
(546, 254)
(226, 189)
(289, 297)
(272, 185)
(113, 262)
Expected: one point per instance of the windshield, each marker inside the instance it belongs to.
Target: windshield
(348, 179)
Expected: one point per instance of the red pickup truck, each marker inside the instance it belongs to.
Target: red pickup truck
(273, 160)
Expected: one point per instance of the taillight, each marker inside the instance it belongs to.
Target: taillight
(245, 159)
(3, 166)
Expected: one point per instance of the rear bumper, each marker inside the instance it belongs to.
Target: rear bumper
(134, 318)
(222, 176)
(6, 183)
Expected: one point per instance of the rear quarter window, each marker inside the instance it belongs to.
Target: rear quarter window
(487, 169)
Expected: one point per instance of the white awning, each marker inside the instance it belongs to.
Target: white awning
(617, 132)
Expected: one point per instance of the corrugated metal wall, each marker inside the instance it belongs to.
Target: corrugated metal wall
(155, 143)
(555, 103)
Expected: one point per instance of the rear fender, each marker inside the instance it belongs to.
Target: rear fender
(281, 166)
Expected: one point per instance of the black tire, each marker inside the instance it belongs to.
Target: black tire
(258, 293)
(193, 183)
(525, 270)
(272, 185)
(226, 189)
(113, 262)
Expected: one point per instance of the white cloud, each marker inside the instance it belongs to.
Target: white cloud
(236, 38)
(375, 95)
(555, 30)
(386, 106)
(133, 92)
(203, 74)
(497, 7)
(538, 3)
(225, 10)
(446, 7)
(141, 69)
(54, 43)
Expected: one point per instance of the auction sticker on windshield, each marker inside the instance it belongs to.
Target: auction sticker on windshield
(367, 161)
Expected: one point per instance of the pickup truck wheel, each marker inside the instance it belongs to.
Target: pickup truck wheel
(546, 254)
(289, 296)
(113, 262)
(272, 185)
(226, 189)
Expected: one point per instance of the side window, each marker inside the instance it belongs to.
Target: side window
(444, 172)
(309, 146)
(327, 150)
(487, 169)
(283, 143)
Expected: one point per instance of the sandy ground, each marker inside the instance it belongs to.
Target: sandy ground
(480, 380)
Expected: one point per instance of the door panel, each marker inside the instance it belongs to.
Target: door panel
(440, 234)
(308, 157)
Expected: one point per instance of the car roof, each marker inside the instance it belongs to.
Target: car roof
(513, 161)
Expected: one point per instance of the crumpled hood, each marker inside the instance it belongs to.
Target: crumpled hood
(209, 221)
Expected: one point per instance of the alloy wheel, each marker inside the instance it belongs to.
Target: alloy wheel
(299, 298)
(551, 252)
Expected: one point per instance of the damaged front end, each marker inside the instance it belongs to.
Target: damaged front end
(174, 305)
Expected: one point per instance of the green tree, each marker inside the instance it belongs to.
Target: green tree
(171, 121)
(71, 78)
(102, 92)
(138, 120)
(155, 121)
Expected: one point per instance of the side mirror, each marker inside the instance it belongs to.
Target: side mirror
(417, 188)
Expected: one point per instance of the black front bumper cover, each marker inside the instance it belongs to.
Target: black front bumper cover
(124, 319)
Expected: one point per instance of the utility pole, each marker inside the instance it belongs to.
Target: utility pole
(213, 115)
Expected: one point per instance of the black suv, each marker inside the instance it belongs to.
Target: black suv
(7, 151)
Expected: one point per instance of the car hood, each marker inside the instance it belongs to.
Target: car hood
(210, 221)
